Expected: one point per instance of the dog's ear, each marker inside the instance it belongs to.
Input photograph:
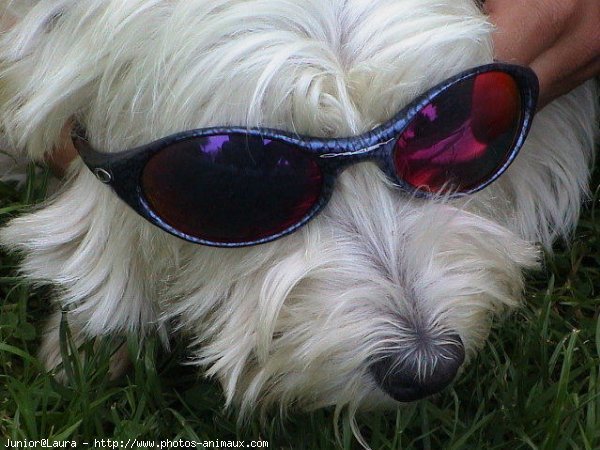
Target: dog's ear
(42, 81)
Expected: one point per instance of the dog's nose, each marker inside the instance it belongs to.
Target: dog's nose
(416, 373)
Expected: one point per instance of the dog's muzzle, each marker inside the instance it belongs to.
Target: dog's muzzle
(417, 373)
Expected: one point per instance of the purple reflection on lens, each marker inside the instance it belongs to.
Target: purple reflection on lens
(214, 144)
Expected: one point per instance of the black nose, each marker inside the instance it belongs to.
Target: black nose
(415, 373)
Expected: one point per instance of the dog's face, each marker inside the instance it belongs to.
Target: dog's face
(380, 297)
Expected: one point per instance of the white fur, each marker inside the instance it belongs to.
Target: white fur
(297, 321)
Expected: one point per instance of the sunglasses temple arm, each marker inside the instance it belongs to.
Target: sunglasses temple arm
(95, 159)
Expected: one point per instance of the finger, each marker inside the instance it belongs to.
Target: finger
(525, 29)
(552, 89)
(573, 59)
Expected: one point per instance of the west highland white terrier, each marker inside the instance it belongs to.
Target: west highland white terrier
(385, 294)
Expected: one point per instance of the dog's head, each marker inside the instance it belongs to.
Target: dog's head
(380, 297)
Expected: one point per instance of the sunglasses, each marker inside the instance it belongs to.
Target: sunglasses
(233, 187)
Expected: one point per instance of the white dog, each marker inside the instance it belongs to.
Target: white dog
(384, 296)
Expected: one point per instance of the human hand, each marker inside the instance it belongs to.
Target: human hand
(558, 39)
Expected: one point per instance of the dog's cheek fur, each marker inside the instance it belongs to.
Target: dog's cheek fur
(82, 242)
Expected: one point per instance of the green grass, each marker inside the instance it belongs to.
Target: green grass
(535, 385)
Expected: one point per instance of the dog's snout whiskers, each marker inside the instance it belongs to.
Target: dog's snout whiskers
(425, 367)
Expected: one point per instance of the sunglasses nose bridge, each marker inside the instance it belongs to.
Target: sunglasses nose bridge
(379, 154)
(336, 163)
(369, 153)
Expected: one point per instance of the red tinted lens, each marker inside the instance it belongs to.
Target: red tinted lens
(232, 188)
(463, 137)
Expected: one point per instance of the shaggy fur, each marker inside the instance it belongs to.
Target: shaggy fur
(300, 320)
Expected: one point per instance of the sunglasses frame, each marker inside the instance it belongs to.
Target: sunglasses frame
(123, 170)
